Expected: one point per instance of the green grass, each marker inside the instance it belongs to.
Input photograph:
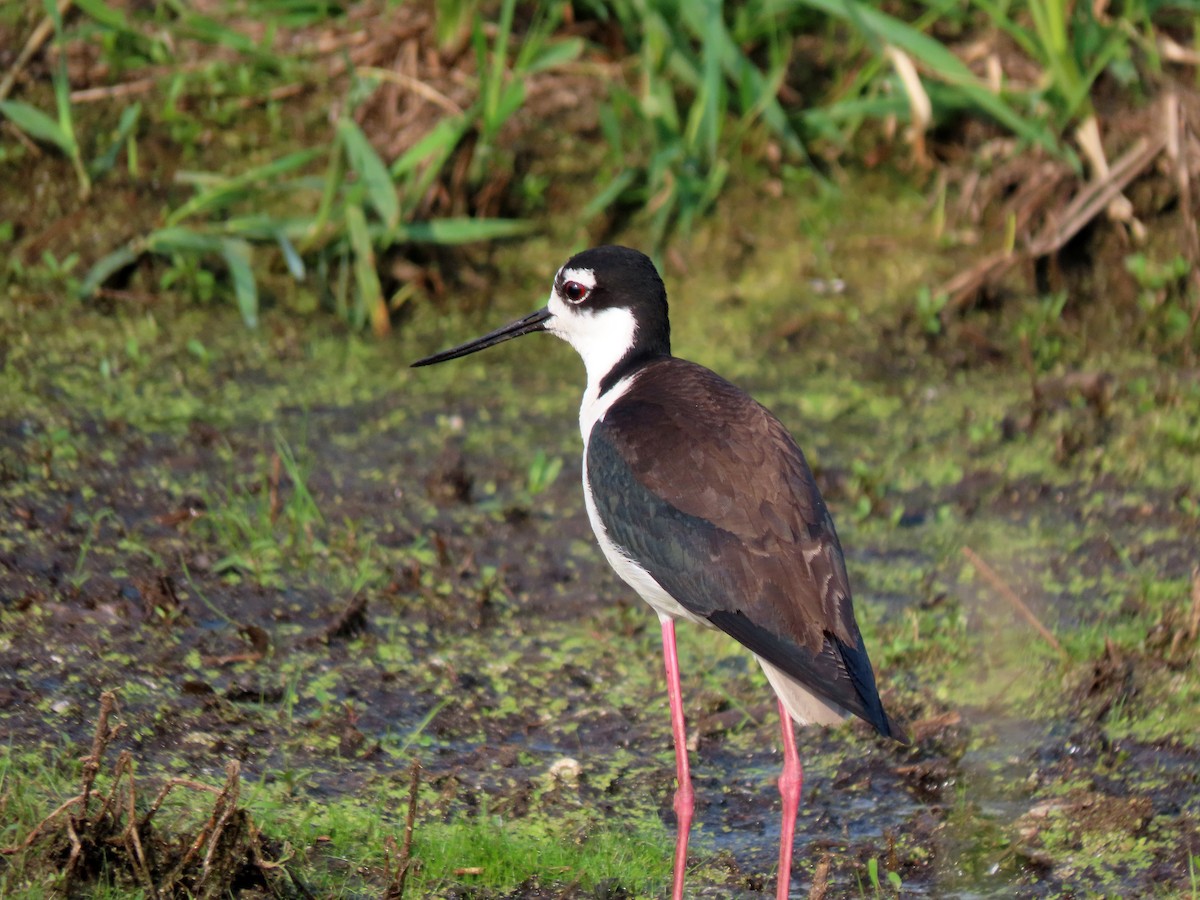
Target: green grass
(485, 851)
(278, 211)
(61, 131)
(508, 854)
(347, 842)
(699, 83)
(268, 523)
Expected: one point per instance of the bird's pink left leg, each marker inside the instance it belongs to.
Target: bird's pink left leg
(683, 792)
(790, 781)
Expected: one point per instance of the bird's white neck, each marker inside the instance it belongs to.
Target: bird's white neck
(595, 404)
(601, 338)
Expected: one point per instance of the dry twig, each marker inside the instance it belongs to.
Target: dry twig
(33, 44)
(1002, 588)
(820, 882)
(1088, 203)
(228, 840)
(100, 740)
(404, 860)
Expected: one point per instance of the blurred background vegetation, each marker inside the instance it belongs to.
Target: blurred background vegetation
(339, 155)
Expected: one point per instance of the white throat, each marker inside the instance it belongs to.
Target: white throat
(600, 337)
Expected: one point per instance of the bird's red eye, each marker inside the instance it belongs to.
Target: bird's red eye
(574, 291)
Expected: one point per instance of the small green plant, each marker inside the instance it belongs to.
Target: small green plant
(48, 273)
(58, 446)
(929, 307)
(694, 74)
(893, 878)
(875, 92)
(236, 218)
(59, 131)
(502, 80)
(336, 224)
(1072, 46)
(200, 352)
(1162, 294)
(543, 471)
(1042, 328)
(79, 576)
(263, 526)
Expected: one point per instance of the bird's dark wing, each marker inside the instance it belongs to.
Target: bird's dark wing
(710, 494)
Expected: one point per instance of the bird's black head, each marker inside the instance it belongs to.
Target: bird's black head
(616, 278)
(609, 303)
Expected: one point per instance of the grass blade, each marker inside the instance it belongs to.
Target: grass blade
(609, 193)
(335, 171)
(741, 71)
(370, 293)
(291, 258)
(885, 29)
(463, 231)
(509, 102)
(438, 143)
(373, 174)
(227, 190)
(36, 124)
(258, 227)
(178, 239)
(105, 268)
(554, 54)
(129, 120)
(245, 289)
(710, 99)
(210, 31)
(106, 15)
(492, 104)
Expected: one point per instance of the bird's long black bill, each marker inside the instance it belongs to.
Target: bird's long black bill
(527, 325)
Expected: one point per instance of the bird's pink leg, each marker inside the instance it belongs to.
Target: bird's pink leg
(683, 793)
(790, 781)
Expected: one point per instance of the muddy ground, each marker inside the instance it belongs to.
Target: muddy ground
(286, 549)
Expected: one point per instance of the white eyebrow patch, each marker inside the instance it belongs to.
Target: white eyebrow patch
(586, 277)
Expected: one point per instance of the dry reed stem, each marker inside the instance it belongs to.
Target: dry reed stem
(1002, 588)
(820, 882)
(1088, 203)
(33, 44)
(404, 860)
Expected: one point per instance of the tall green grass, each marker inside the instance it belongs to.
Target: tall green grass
(697, 92)
(707, 72)
(697, 81)
(330, 208)
(336, 221)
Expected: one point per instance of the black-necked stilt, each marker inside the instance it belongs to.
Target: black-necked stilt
(704, 504)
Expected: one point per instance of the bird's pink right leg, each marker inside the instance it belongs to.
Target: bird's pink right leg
(683, 793)
(790, 782)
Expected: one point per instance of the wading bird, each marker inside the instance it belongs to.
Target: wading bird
(704, 504)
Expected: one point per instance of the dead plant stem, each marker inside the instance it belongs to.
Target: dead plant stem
(989, 574)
